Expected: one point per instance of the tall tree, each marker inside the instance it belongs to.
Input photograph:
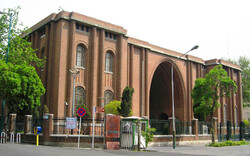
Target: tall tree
(20, 51)
(208, 90)
(20, 85)
(126, 104)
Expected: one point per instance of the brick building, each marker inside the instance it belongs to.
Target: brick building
(109, 60)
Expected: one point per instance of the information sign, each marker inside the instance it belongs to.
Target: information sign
(71, 123)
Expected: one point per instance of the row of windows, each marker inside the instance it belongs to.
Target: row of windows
(82, 27)
(110, 35)
(80, 59)
(80, 96)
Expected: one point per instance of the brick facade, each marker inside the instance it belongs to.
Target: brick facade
(135, 63)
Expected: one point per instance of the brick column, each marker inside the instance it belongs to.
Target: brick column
(195, 127)
(27, 124)
(12, 126)
(47, 128)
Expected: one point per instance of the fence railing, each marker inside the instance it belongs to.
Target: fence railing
(59, 127)
(162, 126)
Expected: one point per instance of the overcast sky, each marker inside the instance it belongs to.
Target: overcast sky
(221, 28)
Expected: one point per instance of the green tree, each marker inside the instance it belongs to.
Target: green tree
(244, 63)
(20, 51)
(112, 107)
(20, 84)
(208, 90)
(21, 87)
(126, 104)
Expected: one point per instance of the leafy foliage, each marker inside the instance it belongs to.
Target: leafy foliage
(205, 93)
(20, 51)
(126, 104)
(21, 87)
(148, 135)
(208, 90)
(112, 107)
(19, 83)
(228, 143)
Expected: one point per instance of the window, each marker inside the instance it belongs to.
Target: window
(42, 53)
(110, 35)
(80, 52)
(108, 96)
(79, 97)
(225, 115)
(82, 28)
(236, 116)
(108, 62)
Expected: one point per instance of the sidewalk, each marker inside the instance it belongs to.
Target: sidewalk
(204, 150)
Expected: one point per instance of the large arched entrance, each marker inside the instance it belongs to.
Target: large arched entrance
(160, 101)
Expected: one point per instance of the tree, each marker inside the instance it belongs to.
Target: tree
(20, 84)
(112, 107)
(126, 104)
(21, 87)
(20, 51)
(208, 90)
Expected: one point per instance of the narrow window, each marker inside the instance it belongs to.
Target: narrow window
(225, 115)
(108, 62)
(108, 96)
(79, 97)
(236, 116)
(77, 26)
(80, 56)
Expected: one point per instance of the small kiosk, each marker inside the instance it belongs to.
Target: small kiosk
(129, 132)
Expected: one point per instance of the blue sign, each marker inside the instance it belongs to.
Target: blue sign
(81, 112)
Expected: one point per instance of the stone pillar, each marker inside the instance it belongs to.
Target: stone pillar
(47, 128)
(215, 126)
(27, 124)
(12, 126)
(171, 126)
(195, 127)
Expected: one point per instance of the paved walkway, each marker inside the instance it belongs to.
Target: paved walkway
(204, 150)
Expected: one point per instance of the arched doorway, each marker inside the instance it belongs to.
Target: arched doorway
(160, 100)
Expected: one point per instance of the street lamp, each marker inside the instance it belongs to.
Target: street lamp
(172, 84)
(74, 72)
(7, 55)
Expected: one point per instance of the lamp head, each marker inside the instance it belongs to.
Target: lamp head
(195, 47)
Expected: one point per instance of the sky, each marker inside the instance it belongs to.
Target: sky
(221, 28)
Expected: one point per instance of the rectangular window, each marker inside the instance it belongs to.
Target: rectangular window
(78, 59)
(77, 26)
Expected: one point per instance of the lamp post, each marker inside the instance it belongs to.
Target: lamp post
(7, 55)
(74, 73)
(172, 84)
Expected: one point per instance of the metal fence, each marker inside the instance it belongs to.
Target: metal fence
(163, 127)
(19, 127)
(59, 127)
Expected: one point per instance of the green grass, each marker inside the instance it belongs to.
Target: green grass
(228, 143)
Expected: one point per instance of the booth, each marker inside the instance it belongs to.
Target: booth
(129, 132)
